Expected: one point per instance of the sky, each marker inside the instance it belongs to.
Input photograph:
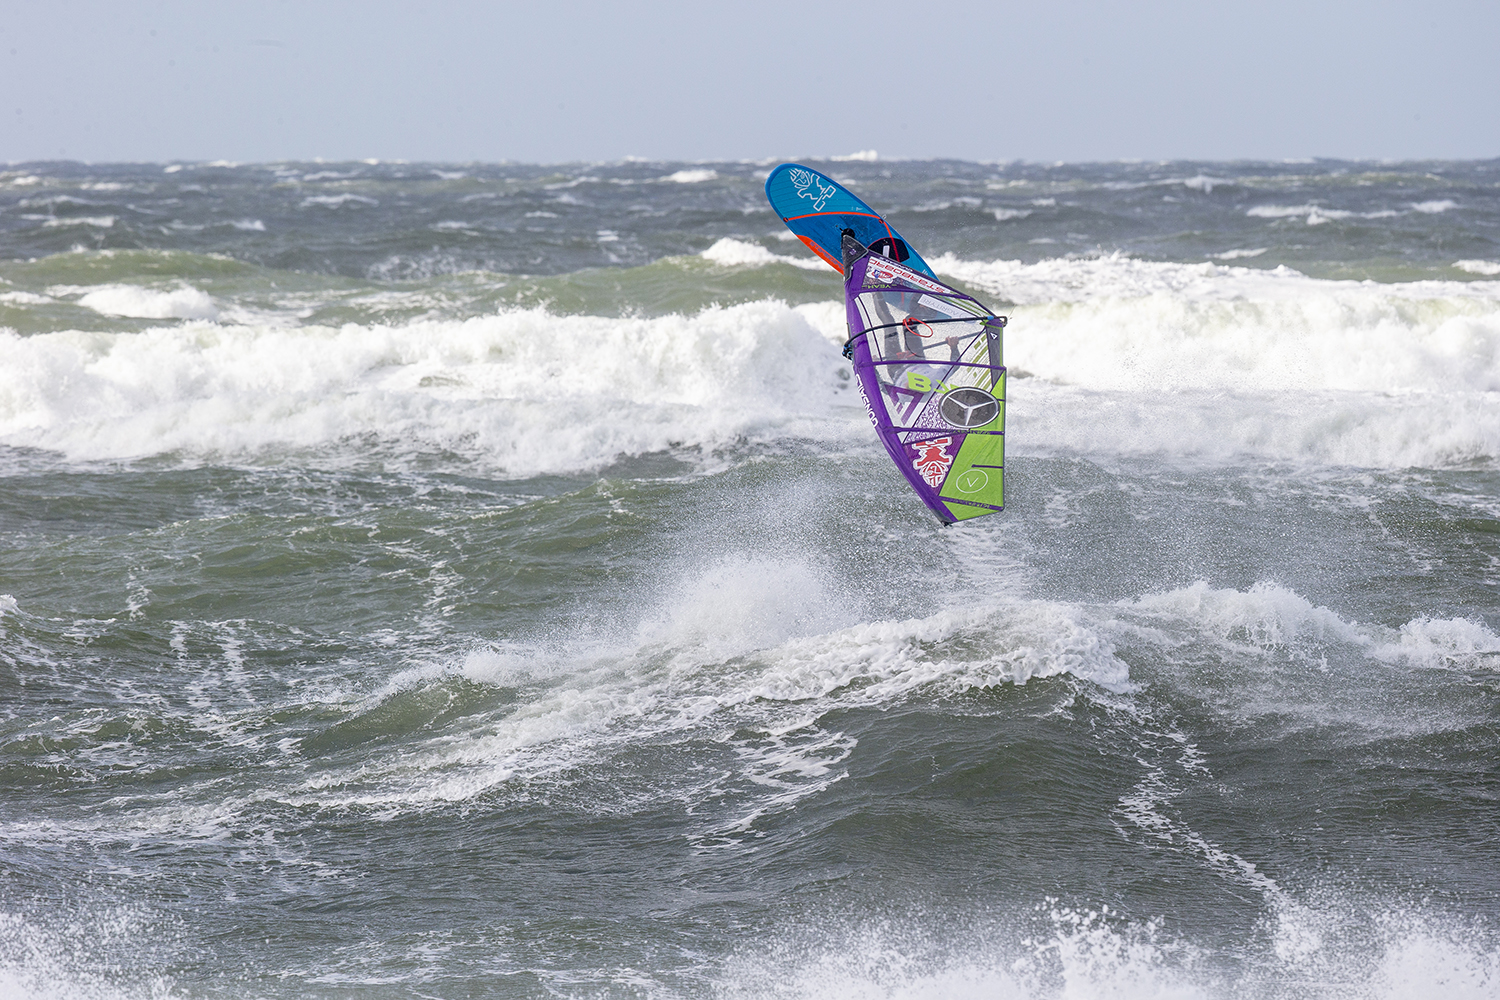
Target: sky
(565, 81)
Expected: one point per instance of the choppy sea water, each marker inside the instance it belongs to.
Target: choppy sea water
(449, 581)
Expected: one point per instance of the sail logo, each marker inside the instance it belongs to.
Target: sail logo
(973, 481)
(968, 406)
(888, 272)
(933, 461)
(808, 186)
(868, 408)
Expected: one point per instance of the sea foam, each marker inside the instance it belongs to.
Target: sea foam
(183, 302)
(1109, 356)
(729, 252)
(521, 392)
(1269, 616)
(1055, 950)
(1219, 362)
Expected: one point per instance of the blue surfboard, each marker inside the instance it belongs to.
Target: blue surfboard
(818, 209)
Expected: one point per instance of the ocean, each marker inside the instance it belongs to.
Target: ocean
(454, 580)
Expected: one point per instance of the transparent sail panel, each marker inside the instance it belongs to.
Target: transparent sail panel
(933, 359)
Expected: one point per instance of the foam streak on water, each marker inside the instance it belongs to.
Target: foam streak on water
(421, 580)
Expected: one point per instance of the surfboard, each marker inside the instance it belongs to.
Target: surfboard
(818, 209)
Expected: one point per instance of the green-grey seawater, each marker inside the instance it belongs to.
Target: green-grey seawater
(474, 580)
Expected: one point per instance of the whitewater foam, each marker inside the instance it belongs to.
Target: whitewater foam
(757, 648)
(1223, 362)
(1118, 323)
(491, 389)
(182, 302)
(1317, 215)
(99, 953)
(1271, 616)
(336, 201)
(97, 221)
(730, 252)
(25, 298)
(1268, 653)
(1055, 950)
(717, 661)
(1302, 428)
(1202, 362)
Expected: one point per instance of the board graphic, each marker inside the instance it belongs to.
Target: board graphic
(818, 209)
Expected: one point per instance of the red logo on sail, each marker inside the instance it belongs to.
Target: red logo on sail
(933, 461)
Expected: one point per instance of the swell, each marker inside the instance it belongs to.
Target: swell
(1109, 356)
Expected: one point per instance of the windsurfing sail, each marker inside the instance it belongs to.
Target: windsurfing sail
(929, 364)
(818, 209)
(928, 359)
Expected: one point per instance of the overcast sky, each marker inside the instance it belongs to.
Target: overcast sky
(562, 80)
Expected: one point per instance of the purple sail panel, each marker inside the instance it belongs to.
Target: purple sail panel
(927, 360)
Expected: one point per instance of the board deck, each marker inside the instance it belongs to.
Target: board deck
(817, 209)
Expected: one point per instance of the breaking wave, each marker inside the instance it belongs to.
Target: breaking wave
(1109, 356)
